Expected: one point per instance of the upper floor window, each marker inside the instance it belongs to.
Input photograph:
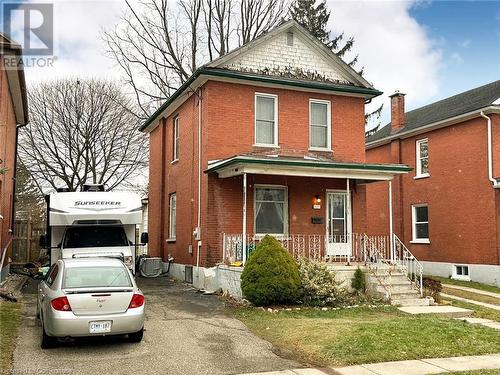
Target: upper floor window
(176, 138)
(420, 221)
(319, 125)
(422, 162)
(172, 228)
(266, 120)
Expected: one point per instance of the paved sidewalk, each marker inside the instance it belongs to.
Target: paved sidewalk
(485, 322)
(473, 290)
(412, 367)
(484, 304)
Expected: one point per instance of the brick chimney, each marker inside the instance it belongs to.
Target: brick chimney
(398, 118)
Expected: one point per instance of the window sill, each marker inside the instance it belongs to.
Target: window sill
(170, 240)
(424, 242)
(421, 176)
(320, 149)
(174, 161)
(463, 278)
(264, 145)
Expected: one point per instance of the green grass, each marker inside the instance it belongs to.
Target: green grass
(10, 318)
(479, 311)
(364, 335)
(469, 284)
(475, 372)
(472, 296)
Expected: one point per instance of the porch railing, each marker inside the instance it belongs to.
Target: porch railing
(408, 263)
(355, 247)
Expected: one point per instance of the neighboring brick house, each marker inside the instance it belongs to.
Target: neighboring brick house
(13, 114)
(450, 205)
(266, 139)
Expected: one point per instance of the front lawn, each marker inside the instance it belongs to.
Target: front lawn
(469, 284)
(10, 317)
(365, 335)
(479, 311)
(473, 296)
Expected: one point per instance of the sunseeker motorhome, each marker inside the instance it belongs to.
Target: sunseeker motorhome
(91, 223)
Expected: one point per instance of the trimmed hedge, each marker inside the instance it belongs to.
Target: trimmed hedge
(270, 276)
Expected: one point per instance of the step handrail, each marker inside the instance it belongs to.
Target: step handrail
(408, 263)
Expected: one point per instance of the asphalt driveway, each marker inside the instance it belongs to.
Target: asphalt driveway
(186, 333)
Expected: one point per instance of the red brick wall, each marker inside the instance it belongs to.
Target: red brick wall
(462, 212)
(7, 155)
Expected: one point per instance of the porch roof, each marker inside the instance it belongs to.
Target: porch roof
(304, 166)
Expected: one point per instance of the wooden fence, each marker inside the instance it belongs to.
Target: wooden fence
(25, 242)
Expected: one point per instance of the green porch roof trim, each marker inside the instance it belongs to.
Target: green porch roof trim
(226, 73)
(395, 168)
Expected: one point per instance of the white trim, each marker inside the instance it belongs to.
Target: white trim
(414, 224)
(328, 124)
(275, 97)
(172, 236)
(285, 209)
(418, 158)
(176, 137)
(456, 276)
(425, 175)
(348, 209)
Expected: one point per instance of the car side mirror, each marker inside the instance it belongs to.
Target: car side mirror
(43, 240)
(144, 238)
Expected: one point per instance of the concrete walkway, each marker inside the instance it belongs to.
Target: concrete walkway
(472, 290)
(412, 367)
(485, 322)
(484, 304)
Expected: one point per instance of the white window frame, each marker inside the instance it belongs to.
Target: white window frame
(275, 97)
(176, 140)
(285, 209)
(414, 224)
(172, 217)
(461, 277)
(329, 125)
(418, 158)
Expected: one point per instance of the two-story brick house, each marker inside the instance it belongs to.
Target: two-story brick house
(13, 113)
(268, 139)
(449, 206)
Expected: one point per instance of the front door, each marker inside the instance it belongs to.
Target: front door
(338, 224)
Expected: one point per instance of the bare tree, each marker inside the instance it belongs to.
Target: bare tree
(82, 131)
(159, 44)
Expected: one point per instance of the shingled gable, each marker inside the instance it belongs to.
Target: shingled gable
(417, 120)
(270, 59)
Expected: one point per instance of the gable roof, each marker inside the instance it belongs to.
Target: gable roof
(232, 67)
(460, 104)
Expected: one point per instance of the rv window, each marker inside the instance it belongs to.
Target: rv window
(77, 237)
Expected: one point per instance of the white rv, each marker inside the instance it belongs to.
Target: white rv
(92, 223)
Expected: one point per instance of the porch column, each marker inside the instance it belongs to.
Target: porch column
(244, 236)
(391, 242)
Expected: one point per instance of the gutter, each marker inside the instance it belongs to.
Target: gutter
(495, 183)
(432, 126)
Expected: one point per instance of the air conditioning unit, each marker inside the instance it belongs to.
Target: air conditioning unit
(150, 267)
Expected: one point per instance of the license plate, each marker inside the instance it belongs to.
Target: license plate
(100, 327)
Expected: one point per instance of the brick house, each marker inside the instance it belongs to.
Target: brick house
(450, 204)
(13, 114)
(268, 139)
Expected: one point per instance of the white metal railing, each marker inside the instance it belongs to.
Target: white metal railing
(354, 247)
(407, 263)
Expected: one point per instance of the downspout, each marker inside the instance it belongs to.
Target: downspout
(495, 183)
(198, 224)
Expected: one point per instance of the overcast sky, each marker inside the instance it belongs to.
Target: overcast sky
(429, 50)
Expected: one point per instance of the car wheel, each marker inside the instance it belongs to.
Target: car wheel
(136, 336)
(47, 341)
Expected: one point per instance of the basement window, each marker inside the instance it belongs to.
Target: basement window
(461, 272)
(289, 39)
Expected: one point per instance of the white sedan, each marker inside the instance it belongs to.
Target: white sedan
(89, 297)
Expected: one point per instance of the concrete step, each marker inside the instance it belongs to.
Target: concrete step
(448, 311)
(410, 302)
(398, 288)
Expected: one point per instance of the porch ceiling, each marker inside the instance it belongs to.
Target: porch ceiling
(305, 166)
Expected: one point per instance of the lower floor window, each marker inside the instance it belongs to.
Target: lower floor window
(270, 210)
(462, 271)
(420, 220)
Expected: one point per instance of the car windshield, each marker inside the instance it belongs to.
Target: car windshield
(94, 237)
(98, 276)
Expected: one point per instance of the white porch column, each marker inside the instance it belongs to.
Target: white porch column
(244, 236)
(391, 236)
(348, 222)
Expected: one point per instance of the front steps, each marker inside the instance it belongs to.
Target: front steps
(394, 285)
